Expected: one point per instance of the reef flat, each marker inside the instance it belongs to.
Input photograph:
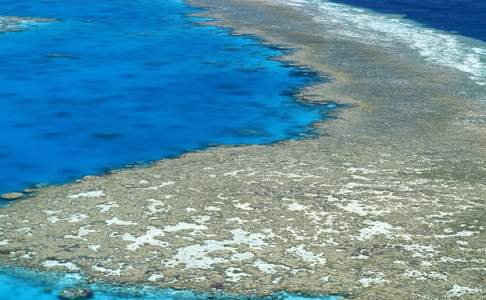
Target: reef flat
(386, 202)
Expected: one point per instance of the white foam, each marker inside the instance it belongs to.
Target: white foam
(437, 47)
(15, 23)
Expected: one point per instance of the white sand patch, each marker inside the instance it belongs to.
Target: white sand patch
(447, 259)
(242, 256)
(464, 233)
(233, 173)
(201, 219)
(4, 243)
(154, 206)
(57, 264)
(77, 217)
(418, 275)
(83, 231)
(220, 196)
(254, 240)
(155, 277)
(94, 247)
(373, 279)
(375, 228)
(116, 221)
(53, 219)
(420, 250)
(235, 274)
(459, 291)
(294, 176)
(437, 275)
(419, 181)
(297, 207)
(163, 184)
(212, 208)
(426, 264)
(361, 170)
(185, 226)
(359, 177)
(306, 255)
(195, 256)
(243, 206)
(354, 207)
(23, 230)
(405, 236)
(106, 207)
(236, 220)
(440, 215)
(267, 267)
(167, 183)
(147, 239)
(108, 272)
(51, 212)
(92, 194)
(199, 256)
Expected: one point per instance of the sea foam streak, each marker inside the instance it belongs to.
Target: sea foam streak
(11, 23)
(439, 47)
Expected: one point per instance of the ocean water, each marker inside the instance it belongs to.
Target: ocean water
(118, 82)
(464, 17)
(18, 284)
(446, 33)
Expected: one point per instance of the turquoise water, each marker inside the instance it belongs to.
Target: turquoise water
(120, 82)
(21, 284)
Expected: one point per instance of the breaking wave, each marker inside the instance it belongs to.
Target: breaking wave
(438, 47)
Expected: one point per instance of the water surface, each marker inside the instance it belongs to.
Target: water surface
(119, 82)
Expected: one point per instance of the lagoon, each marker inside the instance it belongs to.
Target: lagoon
(113, 83)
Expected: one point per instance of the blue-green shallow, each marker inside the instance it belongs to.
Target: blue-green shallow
(18, 284)
(120, 82)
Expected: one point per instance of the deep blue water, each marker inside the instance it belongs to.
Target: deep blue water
(127, 81)
(466, 17)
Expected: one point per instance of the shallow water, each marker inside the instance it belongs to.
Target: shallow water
(120, 82)
(16, 284)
